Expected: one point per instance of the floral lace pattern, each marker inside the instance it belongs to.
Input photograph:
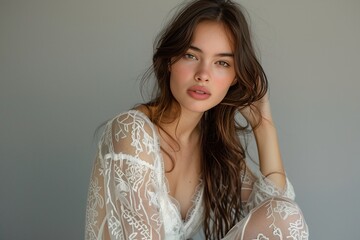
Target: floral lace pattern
(284, 221)
(128, 196)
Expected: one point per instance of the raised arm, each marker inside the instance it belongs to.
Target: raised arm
(260, 118)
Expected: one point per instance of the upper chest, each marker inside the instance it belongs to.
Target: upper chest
(182, 172)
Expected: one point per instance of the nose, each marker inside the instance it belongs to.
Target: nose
(202, 73)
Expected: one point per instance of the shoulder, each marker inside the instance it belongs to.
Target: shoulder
(131, 131)
(131, 120)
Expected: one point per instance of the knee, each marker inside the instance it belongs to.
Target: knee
(277, 217)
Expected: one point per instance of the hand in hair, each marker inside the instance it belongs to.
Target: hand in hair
(258, 112)
(259, 117)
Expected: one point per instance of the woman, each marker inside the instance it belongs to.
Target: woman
(174, 167)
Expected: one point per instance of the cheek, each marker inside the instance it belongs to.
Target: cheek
(180, 70)
(225, 80)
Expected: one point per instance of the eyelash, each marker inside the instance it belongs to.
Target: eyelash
(223, 63)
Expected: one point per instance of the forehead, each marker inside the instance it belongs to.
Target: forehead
(213, 35)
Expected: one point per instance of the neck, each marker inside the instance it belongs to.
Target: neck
(185, 127)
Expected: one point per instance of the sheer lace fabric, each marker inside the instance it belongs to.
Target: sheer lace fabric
(128, 194)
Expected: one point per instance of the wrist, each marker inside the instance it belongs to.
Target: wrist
(265, 125)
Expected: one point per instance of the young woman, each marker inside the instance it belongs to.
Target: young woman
(174, 168)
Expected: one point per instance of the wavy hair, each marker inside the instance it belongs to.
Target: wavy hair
(223, 156)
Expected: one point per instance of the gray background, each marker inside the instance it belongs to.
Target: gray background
(67, 66)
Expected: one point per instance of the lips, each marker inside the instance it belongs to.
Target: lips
(199, 92)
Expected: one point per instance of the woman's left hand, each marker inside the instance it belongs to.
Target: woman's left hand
(258, 111)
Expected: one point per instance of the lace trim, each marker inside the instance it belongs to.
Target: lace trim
(122, 156)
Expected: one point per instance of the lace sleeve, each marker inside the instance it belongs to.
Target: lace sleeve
(122, 199)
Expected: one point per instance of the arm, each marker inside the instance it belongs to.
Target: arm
(122, 201)
(259, 117)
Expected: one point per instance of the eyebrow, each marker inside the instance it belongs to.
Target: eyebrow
(219, 54)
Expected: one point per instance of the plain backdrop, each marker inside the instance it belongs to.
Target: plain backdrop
(67, 66)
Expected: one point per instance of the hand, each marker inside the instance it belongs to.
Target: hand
(258, 111)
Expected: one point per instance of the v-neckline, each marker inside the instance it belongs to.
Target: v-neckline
(198, 193)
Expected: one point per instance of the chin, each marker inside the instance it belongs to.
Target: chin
(199, 109)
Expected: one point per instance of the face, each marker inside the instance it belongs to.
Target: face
(200, 79)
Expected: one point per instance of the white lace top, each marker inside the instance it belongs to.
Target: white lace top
(128, 194)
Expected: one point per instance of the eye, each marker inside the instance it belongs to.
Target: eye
(190, 56)
(223, 63)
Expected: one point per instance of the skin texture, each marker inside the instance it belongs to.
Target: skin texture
(208, 63)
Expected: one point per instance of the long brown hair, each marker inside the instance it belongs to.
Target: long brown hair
(223, 156)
